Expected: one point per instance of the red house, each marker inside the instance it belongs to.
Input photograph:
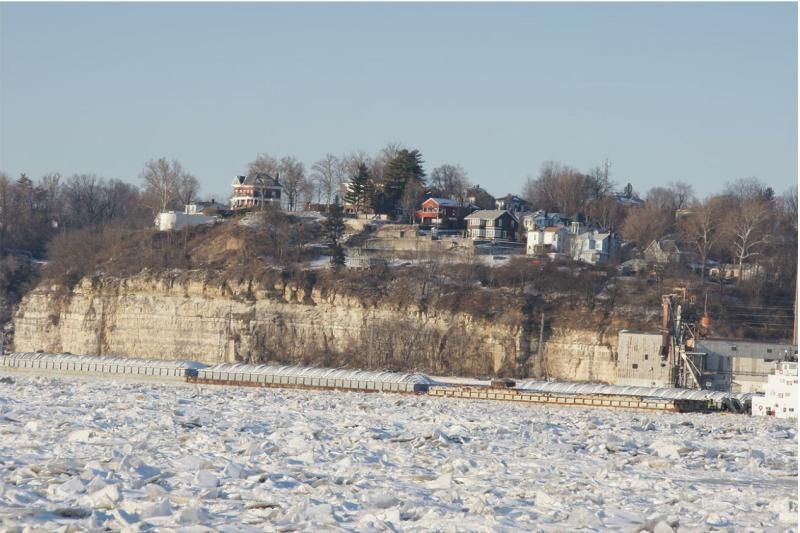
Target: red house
(254, 191)
(441, 213)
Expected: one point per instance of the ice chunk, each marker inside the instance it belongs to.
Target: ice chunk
(206, 479)
(232, 470)
(193, 515)
(786, 509)
(124, 519)
(442, 482)
(662, 527)
(105, 498)
(71, 487)
(87, 436)
(162, 508)
(383, 501)
(668, 449)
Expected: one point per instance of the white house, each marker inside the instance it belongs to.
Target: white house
(554, 239)
(542, 219)
(592, 247)
(172, 220)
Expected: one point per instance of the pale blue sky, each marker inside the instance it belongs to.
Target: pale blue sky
(703, 93)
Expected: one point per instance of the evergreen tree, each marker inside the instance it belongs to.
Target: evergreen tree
(333, 230)
(628, 191)
(357, 191)
(369, 195)
(405, 167)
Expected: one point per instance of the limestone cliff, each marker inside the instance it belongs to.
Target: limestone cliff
(192, 315)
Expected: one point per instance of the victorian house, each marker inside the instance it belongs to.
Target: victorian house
(254, 191)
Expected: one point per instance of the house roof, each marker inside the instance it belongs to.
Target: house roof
(553, 229)
(510, 197)
(443, 202)
(260, 179)
(667, 245)
(489, 214)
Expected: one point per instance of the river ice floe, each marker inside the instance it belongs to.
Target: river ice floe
(89, 454)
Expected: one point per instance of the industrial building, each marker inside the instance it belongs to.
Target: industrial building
(721, 364)
(739, 365)
(639, 361)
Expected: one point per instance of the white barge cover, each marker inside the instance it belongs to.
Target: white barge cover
(318, 377)
(559, 387)
(8, 360)
(60, 364)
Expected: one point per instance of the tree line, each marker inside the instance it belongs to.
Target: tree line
(391, 181)
(745, 223)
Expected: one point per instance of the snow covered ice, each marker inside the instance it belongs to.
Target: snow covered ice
(103, 454)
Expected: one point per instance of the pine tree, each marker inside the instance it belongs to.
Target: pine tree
(333, 230)
(370, 196)
(404, 167)
(356, 192)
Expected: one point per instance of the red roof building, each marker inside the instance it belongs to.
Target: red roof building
(440, 212)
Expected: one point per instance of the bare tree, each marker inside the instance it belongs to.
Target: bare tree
(606, 212)
(5, 210)
(350, 162)
(662, 198)
(789, 201)
(412, 196)
(386, 154)
(647, 223)
(682, 194)
(561, 188)
(306, 192)
(748, 229)
(50, 185)
(745, 188)
(450, 181)
(600, 180)
(84, 198)
(188, 187)
(264, 164)
(161, 181)
(293, 175)
(784, 246)
(118, 200)
(703, 228)
(325, 175)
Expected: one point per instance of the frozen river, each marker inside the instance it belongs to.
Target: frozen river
(149, 456)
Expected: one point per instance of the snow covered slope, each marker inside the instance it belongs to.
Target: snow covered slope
(149, 456)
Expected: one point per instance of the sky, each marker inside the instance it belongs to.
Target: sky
(698, 92)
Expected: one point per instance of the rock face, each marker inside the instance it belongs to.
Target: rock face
(193, 316)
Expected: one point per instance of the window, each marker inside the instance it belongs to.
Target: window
(769, 350)
(733, 348)
(646, 356)
(635, 366)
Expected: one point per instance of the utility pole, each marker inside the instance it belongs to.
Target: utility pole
(540, 350)
(794, 316)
